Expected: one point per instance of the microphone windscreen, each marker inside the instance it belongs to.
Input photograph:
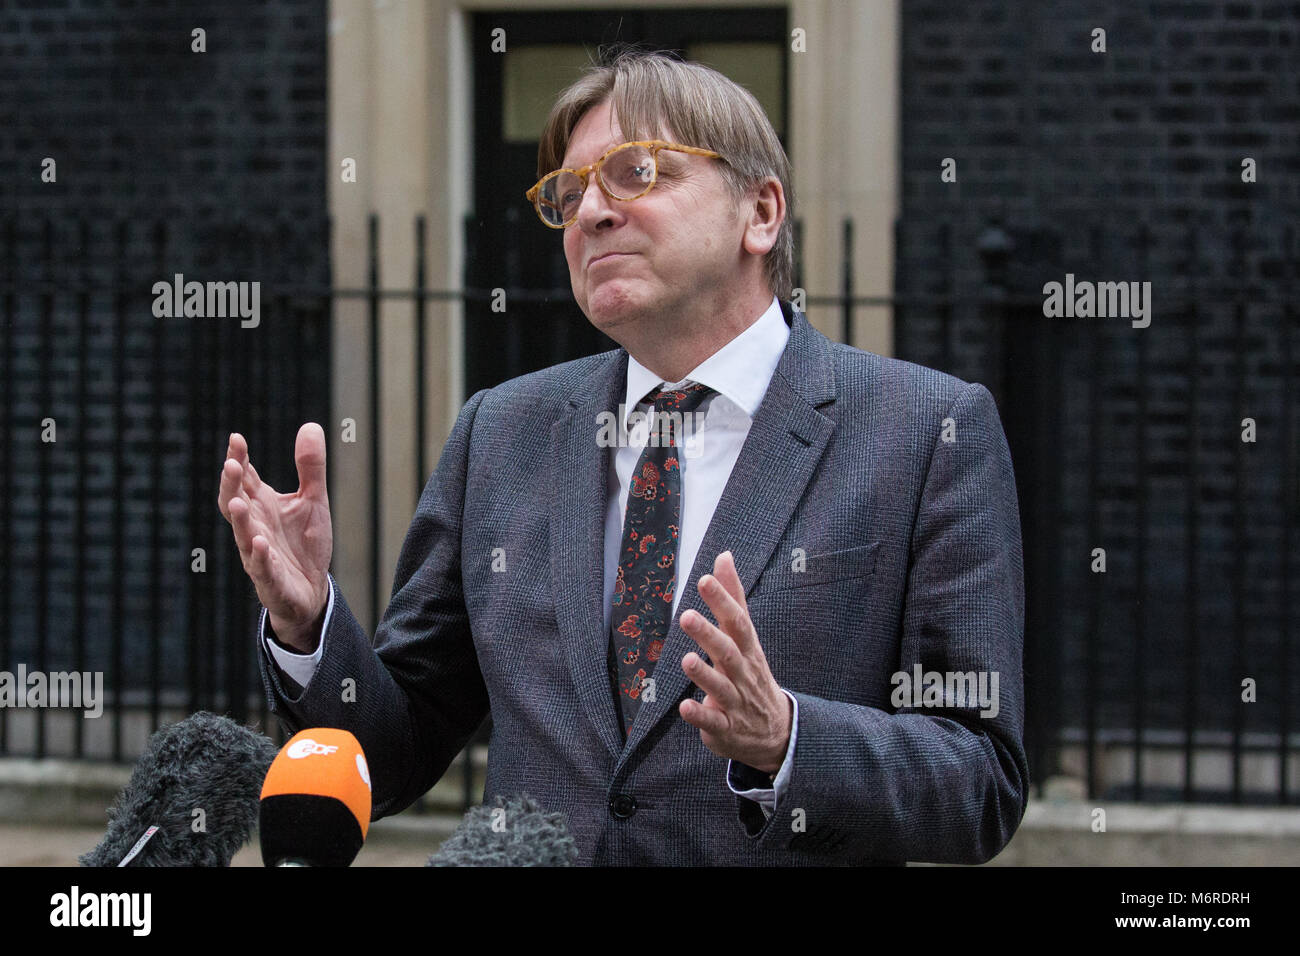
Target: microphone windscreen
(191, 799)
(316, 805)
(514, 832)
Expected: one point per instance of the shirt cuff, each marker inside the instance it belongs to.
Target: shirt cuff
(297, 667)
(749, 777)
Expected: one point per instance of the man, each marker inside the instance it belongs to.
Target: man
(693, 640)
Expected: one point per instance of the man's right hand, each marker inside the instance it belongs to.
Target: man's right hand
(285, 541)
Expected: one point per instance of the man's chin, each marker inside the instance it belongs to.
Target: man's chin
(610, 310)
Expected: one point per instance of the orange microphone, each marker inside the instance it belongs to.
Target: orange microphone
(315, 808)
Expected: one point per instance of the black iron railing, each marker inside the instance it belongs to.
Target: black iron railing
(1107, 425)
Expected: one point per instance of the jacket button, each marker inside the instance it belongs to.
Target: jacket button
(622, 806)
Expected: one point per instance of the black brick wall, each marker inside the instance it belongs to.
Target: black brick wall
(224, 151)
(1072, 152)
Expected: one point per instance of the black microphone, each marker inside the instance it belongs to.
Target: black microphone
(514, 832)
(191, 799)
(316, 801)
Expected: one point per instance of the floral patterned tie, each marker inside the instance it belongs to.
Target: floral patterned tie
(647, 564)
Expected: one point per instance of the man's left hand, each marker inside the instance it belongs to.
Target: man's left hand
(745, 716)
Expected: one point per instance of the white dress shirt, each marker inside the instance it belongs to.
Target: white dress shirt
(739, 373)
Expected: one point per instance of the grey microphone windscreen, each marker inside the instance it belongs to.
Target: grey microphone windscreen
(198, 783)
(514, 832)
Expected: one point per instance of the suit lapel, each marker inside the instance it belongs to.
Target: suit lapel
(785, 442)
(577, 480)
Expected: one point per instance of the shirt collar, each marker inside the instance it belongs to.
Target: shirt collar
(739, 371)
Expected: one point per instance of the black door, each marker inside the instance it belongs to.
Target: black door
(507, 247)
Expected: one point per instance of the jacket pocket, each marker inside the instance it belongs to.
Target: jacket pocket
(859, 562)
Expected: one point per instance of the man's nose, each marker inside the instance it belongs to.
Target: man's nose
(595, 207)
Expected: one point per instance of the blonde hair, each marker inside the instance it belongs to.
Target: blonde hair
(653, 91)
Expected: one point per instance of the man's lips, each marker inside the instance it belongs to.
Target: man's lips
(605, 255)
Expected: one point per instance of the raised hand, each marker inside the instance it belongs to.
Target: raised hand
(745, 715)
(285, 540)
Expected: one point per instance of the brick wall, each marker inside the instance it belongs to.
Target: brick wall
(224, 151)
(1072, 151)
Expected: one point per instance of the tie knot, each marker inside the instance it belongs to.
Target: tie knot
(685, 399)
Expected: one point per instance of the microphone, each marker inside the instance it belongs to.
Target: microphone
(191, 799)
(316, 801)
(514, 832)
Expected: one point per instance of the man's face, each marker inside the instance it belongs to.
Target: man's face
(679, 244)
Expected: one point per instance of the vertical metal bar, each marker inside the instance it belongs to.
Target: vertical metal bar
(45, 343)
(216, 425)
(285, 419)
(516, 328)
(83, 440)
(376, 536)
(1289, 507)
(232, 590)
(289, 417)
(326, 315)
(949, 291)
(118, 535)
(157, 573)
(1140, 535)
(1092, 683)
(201, 480)
(899, 292)
(225, 418)
(421, 426)
(250, 408)
(1191, 681)
(846, 279)
(253, 345)
(471, 365)
(1056, 569)
(6, 465)
(1238, 515)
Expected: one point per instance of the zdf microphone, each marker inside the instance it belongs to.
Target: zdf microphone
(316, 801)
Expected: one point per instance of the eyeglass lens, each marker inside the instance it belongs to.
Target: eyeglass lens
(626, 173)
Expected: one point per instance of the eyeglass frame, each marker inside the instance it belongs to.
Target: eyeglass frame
(654, 145)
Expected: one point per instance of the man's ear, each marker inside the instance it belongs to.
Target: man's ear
(765, 217)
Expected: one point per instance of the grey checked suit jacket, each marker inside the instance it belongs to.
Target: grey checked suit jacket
(913, 556)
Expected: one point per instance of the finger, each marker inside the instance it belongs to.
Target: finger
(309, 456)
(238, 450)
(241, 520)
(706, 719)
(231, 486)
(712, 681)
(252, 480)
(722, 650)
(261, 564)
(733, 618)
(724, 569)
